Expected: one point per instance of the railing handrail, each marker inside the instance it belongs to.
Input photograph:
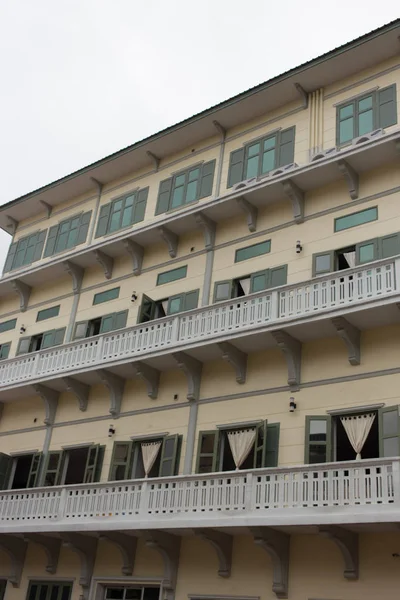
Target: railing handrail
(331, 466)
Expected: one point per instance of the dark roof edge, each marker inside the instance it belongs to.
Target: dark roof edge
(209, 111)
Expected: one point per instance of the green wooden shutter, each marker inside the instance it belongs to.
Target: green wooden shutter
(83, 228)
(277, 276)
(107, 323)
(175, 304)
(120, 319)
(318, 440)
(55, 337)
(272, 445)
(102, 225)
(23, 345)
(93, 463)
(190, 300)
(34, 470)
(5, 469)
(389, 245)
(5, 350)
(389, 431)
(286, 147)
(260, 446)
(80, 331)
(121, 461)
(10, 257)
(51, 241)
(169, 456)
(146, 310)
(164, 194)
(53, 468)
(59, 336)
(323, 262)
(387, 106)
(236, 167)
(140, 206)
(259, 281)
(207, 451)
(223, 290)
(207, 179)
(41, 238)
(367, 251)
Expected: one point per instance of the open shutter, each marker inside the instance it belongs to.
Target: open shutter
(260, 447)
(121, 461)
(140, 206)
(207, 451)
(223, 290)
(34, 470)
(389, 431)
(93, 464)
(366, 251)
(102, 224)
(164, 194)
(41, 238)
(389, 245)
(24, 345)
(5, 470)
(277, 276)
(51, 241)
(207, 179)
(286, 147)
(5, 350)
(83, 228)
(53, 468)
(169, 463)
(107, 323)
(10, 257)
(80, 330)
(259, 281)
(272, 453)
(120, 319)
(317, 447)
(387, 107)
(146, 310)
(236, 167)
(190, 300)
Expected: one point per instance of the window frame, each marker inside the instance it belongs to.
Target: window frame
(50, 586)
(44, 310)
(160, 275)
(258, 244)
(104, 292)
(5, 345)
(2, 330)
(358, 212)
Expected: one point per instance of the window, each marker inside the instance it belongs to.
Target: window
(131, 592)
(185, 187)
(157, 309)
(8, 325)
(49, 590)
(366, 113)
(154, 457)
(122, 212)
(253, 251)
(40, 341)
(48, 313)
(73, 466)
(214, 452)
(355, 219)
(5, 350)
(26, 251)
(173, 275)
(67, 234)
(25, 471)
(250, 284)
(106, 296)
(105, 324)
(261, 156)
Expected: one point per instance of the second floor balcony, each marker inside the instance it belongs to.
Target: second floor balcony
(341, 302)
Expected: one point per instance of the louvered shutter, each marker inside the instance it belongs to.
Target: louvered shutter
(286, 147)
(387, 106)
(51, 241)
(164, 194)
(102, 225)
(83, 228)
(236, 167)
(37, 254)
(140, 205)
(10, 257)
(207, 179)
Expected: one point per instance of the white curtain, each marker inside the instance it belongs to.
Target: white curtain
(245, 283)
(241, 442)
(351, 258)
(149, 455)
(357, 429)
(164, 304)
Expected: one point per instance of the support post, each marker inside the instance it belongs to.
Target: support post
(351, 336)
(192, 369)
(171, 239)
(15, 548)
(296, 195)
(277, 545)
(85, 547)
(222, 544)
(136, 252)
(115, 385)
(107, 262)
(347, 542)
(209, 227)
(127, 545)
(250, 211)
(291, 349)
(50, 399)
(50, 545)
(24, 291)
(168, 546)
(80, 390)
(150, 376)
(76, 273)
(236, 358)
(351, 177)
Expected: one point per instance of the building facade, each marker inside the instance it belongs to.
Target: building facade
(199, 341)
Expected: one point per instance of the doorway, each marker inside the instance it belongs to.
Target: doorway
(343, 447)
(75, 466)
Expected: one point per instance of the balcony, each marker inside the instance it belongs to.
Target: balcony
(366, 295)
(308, 495)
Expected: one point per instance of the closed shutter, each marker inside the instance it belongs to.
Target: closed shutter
(164, 194)
(51, 241)
(236, 166)
(207, 451)
(140, 206)
(260, 447)
(146, 310)
(277, 276)
(120, 319)
(207, 179)
(121, 461)
(387, 107)
(23, 345)
(5, 350)
(53, 468)
(102, 225)
(107, 323)
(5, 469)
(59, 336)
(10, 257)
(169, 463)
(83, 228)
(34, 470)
(175, 304)
(389, 431)
(190, 300)
(366, 251)
(80, 330)
(286, 147)
(389, 245)
(259, 281)
(323, 263)
(55, 337)
(272, 445)
(223, 290)
(317, 447)
(37, 254)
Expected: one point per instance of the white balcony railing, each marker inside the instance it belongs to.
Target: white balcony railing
(338, 290)
(332, 487)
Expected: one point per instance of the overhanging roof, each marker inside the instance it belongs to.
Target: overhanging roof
(344, 61)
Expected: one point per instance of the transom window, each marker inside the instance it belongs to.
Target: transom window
(358, 218)
(49, 590)
(131, 593)
(8, 325)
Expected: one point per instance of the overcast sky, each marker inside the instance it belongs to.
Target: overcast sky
(81, 79)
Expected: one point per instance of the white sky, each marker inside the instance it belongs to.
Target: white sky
(81, 79)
